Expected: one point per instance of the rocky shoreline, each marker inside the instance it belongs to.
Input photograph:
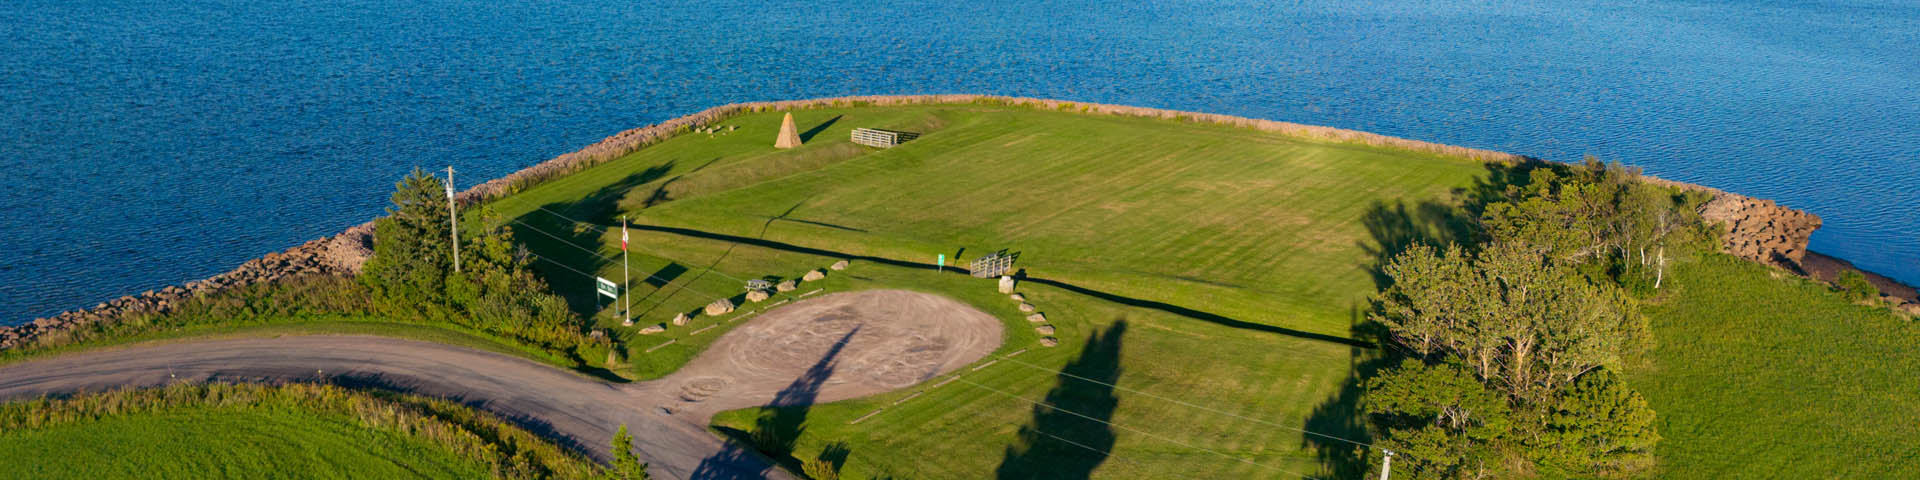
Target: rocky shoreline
(1756, 229)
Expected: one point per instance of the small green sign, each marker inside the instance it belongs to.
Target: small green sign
(943, 261)
(606, 287)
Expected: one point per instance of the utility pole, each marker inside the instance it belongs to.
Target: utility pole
(453, 219)
(1386, 464)
(625, 290)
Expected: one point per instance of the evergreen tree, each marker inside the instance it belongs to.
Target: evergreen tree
(626, 466)
(411, 252)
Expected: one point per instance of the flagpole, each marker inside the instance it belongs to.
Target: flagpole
(623, 271)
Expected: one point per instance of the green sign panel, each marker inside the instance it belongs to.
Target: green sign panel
(606, 287)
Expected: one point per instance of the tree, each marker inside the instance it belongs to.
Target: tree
(1597, 426)
(1514, 319)
(411, 255)
(626, 466)
(1603, 218)
(1443, 419)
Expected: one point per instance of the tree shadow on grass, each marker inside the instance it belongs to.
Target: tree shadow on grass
(561, 246)
(1069, 437)
(780, 425)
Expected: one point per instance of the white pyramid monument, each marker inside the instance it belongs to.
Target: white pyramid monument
(789, 135)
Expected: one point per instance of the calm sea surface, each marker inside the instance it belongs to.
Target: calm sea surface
(148, 143)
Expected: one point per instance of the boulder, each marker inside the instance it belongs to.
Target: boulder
(840, 265)
(787, 286)
(681, 319)
(757, 296)
(1037, 318)
(813, 275)
(1049, 342)
(719, 307)
(1006, 284)
(1018, 297)
(1044, 330)
(653, 329)
(1026, 308)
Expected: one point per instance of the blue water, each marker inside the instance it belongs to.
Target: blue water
(149, 143)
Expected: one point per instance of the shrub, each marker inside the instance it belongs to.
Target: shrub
(1856, 286)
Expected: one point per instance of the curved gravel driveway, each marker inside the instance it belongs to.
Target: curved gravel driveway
(821, 350)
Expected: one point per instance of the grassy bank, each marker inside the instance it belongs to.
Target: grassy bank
(1763, 375)
(252, 431)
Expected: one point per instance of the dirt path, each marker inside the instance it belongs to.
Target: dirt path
(820, 350)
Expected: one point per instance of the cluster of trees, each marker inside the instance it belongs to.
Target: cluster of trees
(1509, 346)
(411, 274)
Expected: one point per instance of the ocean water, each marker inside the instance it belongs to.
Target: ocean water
(147, 143)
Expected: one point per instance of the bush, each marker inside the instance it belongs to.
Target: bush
(1856, 286)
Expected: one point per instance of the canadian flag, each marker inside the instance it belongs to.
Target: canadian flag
(623, 235)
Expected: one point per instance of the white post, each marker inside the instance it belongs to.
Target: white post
(453, 218)
(1386, 464)
(625, 289)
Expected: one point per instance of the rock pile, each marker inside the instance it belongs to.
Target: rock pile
(1761, 230)
(341, 254)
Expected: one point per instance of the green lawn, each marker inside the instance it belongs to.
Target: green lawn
(225, 443)
(1762, 375)
(1236, 260)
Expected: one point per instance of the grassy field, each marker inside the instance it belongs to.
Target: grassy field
(1761, 375)
(1220, 270)
(212, 443)
(261, 431)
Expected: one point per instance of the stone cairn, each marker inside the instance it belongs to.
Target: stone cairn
(789, 134)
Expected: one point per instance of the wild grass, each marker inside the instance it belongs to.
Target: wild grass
(1758, 374)
(259, 431)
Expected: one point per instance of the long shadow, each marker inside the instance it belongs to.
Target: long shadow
(1395, 227)
(807, 136)
(779, 426)
(1338, 420)
(550, 234)
(1068, 436)
(1111, 297)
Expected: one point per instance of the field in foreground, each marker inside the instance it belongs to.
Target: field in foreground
(257, 431)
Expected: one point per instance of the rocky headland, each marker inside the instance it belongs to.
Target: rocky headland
(1755, 229)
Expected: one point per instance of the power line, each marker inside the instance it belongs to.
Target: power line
(962, 379)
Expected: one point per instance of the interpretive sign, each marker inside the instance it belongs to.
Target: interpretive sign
(607, 287)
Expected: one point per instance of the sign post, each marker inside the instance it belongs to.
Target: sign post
(942, 266)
